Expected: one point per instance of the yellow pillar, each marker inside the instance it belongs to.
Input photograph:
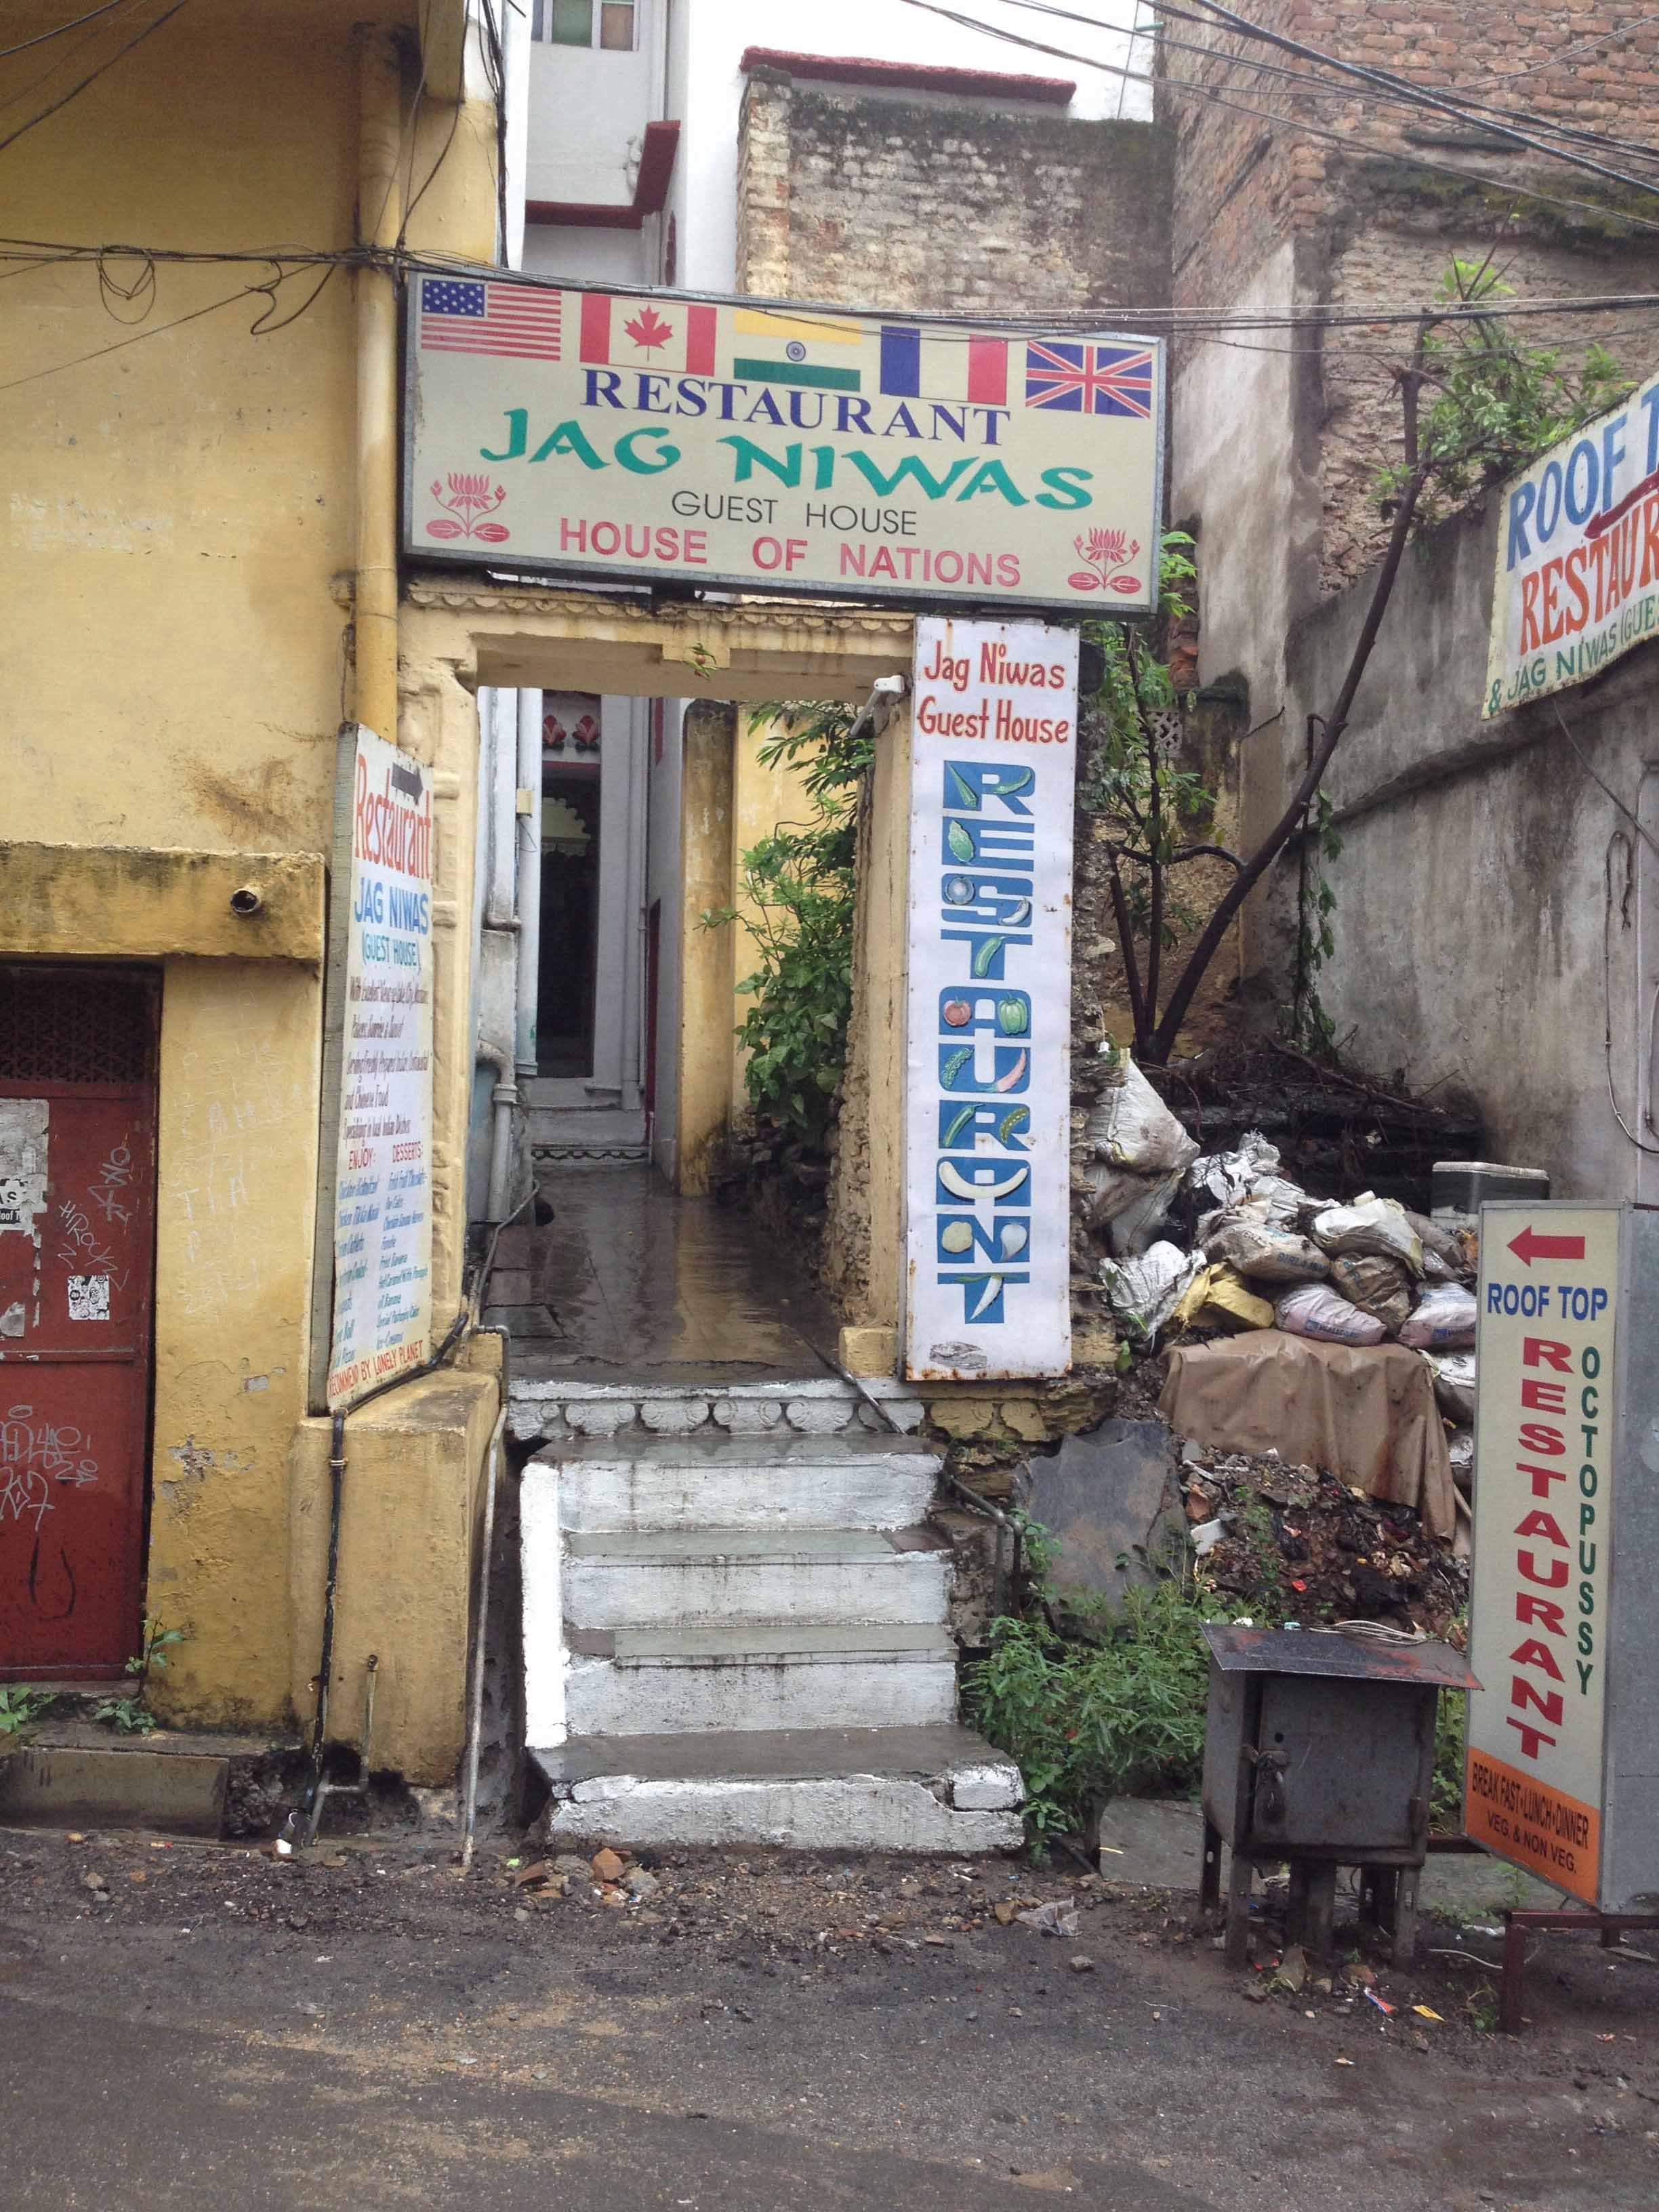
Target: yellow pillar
(867, 1213)
(706, 971)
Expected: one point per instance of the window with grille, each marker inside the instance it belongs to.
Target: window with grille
(69, 1025)
(609, 24)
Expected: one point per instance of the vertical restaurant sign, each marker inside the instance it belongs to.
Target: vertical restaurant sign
(1577, 580)
(743, 444)
(988, 1027)
(1543, 1525)
(383, 1198)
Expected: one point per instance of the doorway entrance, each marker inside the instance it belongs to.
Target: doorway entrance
(78, 1257)
(585, 1098)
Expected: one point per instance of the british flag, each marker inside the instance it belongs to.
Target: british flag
(1090, 379)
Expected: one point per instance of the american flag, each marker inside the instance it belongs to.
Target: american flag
(1090, 379)
(459, 314)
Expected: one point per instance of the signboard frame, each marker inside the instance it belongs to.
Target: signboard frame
(1594, 1802)
(988, 1000)
(1106, 595)
(383, 1072)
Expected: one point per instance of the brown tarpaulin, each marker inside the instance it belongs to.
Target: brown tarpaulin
(1367, 1412)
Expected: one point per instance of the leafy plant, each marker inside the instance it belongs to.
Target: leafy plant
(21, 1707)
(1497, 404)
(1446, 1791)
(127, 1716)
(1153, 808)
(798, 885)
(1085, 1721)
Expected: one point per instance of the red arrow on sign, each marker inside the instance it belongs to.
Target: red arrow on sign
(1530, 1246)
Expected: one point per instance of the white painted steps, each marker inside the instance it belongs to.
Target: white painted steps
(857, 1481)
(688, 1577)
(688, 1597)
(895, 1788)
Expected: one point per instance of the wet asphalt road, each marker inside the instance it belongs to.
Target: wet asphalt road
(215, 2030)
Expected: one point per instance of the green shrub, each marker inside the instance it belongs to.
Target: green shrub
(1086, 1722)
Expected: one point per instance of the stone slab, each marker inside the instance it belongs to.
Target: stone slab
(1107, 1496)
(180, 1792)
(1155, 1842)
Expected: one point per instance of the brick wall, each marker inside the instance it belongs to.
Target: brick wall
(957, 206)
(1367, 221)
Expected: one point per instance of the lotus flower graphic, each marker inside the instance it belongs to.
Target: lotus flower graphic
(468, 499)
(1105, 550)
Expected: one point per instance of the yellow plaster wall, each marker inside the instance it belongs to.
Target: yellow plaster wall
(240, 1065)
(411, 1504)
(178, 501)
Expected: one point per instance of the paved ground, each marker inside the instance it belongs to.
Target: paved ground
(195, 2026)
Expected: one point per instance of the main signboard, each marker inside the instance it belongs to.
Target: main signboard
(1577, 580)
(1563, 1770)
(988, 1058)
(383, 1193)
(666, 439)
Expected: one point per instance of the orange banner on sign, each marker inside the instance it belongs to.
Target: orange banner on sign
(1523, 1819)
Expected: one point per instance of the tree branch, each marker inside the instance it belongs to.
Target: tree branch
(1168, 1027)
(1131, 966)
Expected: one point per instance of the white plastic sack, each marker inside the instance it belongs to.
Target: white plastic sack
(1453, 1384)
(1281, 1201)
(1442, 1320)
(1131, 1127)
(1266, 1253)
(1314, 1310)
(1219, 1180)
(1370, 1225)
(1144, 1292)
(1131, 1207)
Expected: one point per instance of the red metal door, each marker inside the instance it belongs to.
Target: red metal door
(78, 1246)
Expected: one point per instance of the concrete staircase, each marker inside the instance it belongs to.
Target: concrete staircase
(743, 1639)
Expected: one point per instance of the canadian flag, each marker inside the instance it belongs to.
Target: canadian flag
(672, 335)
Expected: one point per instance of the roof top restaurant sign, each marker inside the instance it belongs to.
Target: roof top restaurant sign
(1578, 581)
(635, 439)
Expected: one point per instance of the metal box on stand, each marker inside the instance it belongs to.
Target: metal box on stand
(1319, 1750)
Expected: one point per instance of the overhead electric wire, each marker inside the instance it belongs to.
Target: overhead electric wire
(76, 90)
(1416, 96)
(75, 22)
(1277, 122)
(1399, 92)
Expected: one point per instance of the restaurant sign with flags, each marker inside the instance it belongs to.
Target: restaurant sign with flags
(649, 437)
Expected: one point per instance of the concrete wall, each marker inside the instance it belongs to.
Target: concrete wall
(1484, 879)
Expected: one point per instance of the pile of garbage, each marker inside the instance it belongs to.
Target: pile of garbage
(1263, 1253)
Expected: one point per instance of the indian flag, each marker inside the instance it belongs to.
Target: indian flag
(795, 348)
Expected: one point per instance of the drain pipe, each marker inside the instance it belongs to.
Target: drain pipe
(465, 1322)
(527, 881)
(480, 1617)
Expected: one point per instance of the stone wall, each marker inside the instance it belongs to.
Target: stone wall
(1280, 433)
(961, 206)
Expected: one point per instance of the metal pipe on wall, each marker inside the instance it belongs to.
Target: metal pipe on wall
(528, 879)
(379, 218)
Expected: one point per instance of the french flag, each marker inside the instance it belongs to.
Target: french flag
(924, 364)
